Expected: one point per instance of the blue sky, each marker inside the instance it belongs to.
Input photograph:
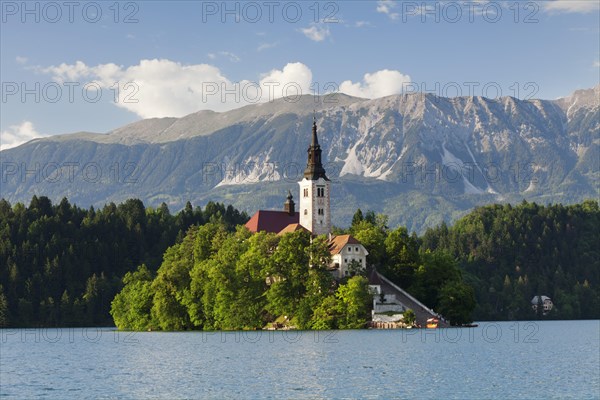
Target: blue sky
(174, 58)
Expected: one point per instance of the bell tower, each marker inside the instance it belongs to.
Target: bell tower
(314, 210)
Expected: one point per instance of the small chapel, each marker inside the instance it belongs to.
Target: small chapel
(313, 215)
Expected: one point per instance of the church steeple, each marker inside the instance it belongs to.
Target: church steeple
(315, 213)
(314, 167)
(289, 206)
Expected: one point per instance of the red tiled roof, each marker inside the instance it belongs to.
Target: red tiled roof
(292, 228)
(337, 243)
(271, 221)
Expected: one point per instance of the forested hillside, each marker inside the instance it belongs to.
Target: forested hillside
(512, 253)
(61, 265)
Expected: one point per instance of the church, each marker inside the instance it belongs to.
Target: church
(313, 215)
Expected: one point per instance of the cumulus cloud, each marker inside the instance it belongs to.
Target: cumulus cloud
(294, 75)
(571, 6)
(164, 88)
(21, 60)
(387, 7)
(16, 135)
(316, 32)
(378, 84)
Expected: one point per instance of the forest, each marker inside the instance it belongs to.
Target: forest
(509, 254)
(144, 268)
(61, 265)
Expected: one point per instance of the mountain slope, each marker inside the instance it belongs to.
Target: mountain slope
(419, 158)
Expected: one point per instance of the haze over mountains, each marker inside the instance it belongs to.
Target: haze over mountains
(419, 158)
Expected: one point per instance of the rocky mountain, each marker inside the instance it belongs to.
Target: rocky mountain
(419, 158)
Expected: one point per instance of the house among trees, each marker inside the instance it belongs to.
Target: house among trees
(314, 215)
(544, 301)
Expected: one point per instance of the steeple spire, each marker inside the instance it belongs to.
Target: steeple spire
(314, 168)
(315, 139)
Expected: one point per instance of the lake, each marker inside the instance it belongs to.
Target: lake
(497, 360)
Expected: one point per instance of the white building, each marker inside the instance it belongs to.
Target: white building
(546, 303)
(345, 249)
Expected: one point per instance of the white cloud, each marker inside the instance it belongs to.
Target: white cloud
(571, 6)
(16, 135)
(227, 54)
(265, 46)
(387, 7)
(294, 75)
(316, 32)
(360, 24)
(164, 88)
(378, 84)
(232, 57)
(596, 64)
(21, 60)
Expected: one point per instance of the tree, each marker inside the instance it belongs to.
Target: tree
(402, 254)
(373, 238)
(355, 301)
(456, 302)
(437, 269)
(3, 309)
(357, 218)
(326, 315)
(131, 308)
(409, 317)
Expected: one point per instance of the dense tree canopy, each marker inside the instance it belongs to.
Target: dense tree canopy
(61, 265)
(512, 253)
(215, 279)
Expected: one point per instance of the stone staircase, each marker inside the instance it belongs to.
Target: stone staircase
(422, 313)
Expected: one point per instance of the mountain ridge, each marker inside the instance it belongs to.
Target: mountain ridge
(449, 153)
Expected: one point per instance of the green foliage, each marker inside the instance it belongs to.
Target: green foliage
(131, 307)
(371, 232)
(348, 308)
(242, 281)
(409, 317)
(509, 254)
(354, 303)
(61, 265)
(456, 302)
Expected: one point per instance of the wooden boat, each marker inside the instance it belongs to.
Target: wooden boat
(432, 323)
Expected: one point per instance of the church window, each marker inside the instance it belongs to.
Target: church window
(349, 248)
(305, 211)
(320, 192)
(320, 211)
(356, 249)
(305, 192)
(345, 260)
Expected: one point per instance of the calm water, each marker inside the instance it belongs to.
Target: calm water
(496, 360)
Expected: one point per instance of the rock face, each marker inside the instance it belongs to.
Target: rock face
(417, 157)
